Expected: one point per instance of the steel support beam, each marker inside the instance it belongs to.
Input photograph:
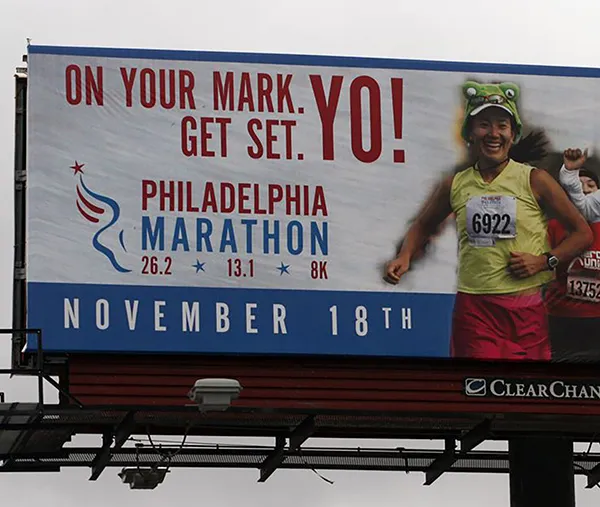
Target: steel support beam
(476, 436)
(121, 434)
(298, 436)
(468, 442)
(412, 460)
(541, 472)
(441, 464)
(273, 460)
(302, 433)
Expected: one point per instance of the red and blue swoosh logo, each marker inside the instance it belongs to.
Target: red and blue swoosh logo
(93, 213)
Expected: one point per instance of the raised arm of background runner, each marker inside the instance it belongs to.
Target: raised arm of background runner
(588, 205)
(435, 210)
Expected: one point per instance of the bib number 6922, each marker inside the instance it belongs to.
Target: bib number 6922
(485, 223)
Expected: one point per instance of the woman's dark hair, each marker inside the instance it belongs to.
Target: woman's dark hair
(592, 175)
(531, 148)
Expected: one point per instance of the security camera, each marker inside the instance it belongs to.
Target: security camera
(214, 393)
(143, 478)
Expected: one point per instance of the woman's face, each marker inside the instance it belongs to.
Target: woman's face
(588, 184)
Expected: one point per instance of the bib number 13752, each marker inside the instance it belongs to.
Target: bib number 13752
(583, 288)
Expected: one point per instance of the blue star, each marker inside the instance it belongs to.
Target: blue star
(199, 266)
(283, 269)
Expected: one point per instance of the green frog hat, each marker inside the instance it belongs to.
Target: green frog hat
(481, 96)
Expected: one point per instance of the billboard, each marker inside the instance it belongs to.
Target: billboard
(196, 202)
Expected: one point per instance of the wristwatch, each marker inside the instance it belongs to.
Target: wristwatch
(551, 261)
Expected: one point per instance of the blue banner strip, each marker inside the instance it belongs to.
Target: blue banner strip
(111, 318)
(314, 60)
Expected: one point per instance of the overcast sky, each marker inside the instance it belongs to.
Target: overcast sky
(554, 32)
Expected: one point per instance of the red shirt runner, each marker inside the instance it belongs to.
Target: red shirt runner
(575, 291)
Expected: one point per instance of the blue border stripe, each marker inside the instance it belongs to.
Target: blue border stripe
(314, 60)
(309, 328)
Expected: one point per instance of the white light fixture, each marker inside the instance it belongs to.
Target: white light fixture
(214, 394)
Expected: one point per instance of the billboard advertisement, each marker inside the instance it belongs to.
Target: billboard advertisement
(195, 202)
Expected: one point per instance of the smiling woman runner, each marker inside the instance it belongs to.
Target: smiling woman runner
(504, 257)
(573, 299)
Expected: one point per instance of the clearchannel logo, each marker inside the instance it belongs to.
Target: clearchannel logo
(531, 388)
(475, 387)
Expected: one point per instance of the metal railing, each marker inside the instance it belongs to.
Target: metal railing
(39, 369)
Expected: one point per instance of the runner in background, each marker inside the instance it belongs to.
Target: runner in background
(573, 298)
(504, 257)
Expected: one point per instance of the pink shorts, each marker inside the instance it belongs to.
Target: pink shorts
(500, 327)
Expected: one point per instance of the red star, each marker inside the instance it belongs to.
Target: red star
(77, 168)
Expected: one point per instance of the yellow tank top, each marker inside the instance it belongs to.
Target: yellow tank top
(494, 219)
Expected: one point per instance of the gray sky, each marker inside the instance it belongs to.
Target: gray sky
(551, 32)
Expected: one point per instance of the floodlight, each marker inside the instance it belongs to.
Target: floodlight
(143, 478)
(214, 393)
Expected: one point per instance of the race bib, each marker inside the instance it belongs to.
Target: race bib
(491, 217)
(583, 289)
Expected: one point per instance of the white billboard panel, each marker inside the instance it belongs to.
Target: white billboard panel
(243, 203)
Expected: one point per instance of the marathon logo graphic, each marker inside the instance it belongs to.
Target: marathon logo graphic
(93, 212)
(531, 388)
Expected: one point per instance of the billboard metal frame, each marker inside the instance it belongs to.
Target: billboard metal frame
(20, 176)
(34, 436)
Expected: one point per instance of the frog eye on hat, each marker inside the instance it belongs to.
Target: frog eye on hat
(510, 90)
